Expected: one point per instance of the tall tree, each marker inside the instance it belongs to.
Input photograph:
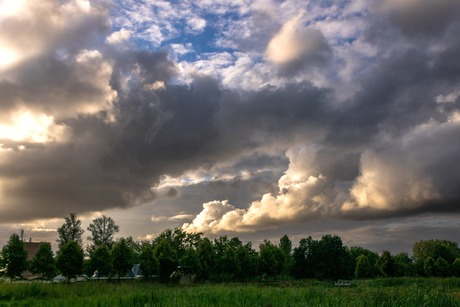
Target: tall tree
(101, 260)
(44, 263)
(387, 264)
(373, 258)
(429, 267)
(436, 248)
(249, 261)
(403, 265)
(148, 262)
(205, 251)
(14, 256)
(102, 231)
(303, 256)
(70, 231)
(331, 259)
(122, 257)
(285, 247)
(455, 267)
(136, 248)
(363, 267)
(442, 268)
(167, 256)
(69, 259)
(271, 259)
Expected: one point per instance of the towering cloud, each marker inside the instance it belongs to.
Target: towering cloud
(296, 45)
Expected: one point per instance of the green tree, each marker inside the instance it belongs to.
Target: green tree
(355, 251)
(363, 267)
(434, 248)
(69, 259)
(271, 259)
(403, 265)
(227, 265)
(101, 260)
(102, 231)
(442, 268)
(136, 248)
(206, 256)
(14, 256)
(455, 268)
(148, 262)
(331, 259)
(249, 261)
(429, 267)
(303, 257)
(190, 263)
(122, 257)
(167, 257)
(44, 263)
(70, 231)
(387, 264)
(285, 247)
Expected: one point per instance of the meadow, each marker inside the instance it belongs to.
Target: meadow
(377, 292)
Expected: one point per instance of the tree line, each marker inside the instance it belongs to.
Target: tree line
(222, 259)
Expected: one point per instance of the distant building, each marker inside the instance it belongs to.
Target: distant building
(31, 248)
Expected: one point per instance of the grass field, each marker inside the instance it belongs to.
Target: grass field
(377, 292)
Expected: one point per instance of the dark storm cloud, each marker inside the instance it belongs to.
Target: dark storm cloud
(392, 126)
(423, 18)
(48, 84)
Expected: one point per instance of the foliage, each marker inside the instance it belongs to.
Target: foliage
(70, 231)
(448, 250)
(43, 263)
(148, 262)
(455, 268)
(285, 247)
(101, 261)
(14, 256)
(403, 265)
(102, 231)
(229, 260)
(303, 256)
(136, 248)
(441, 267)
(333, 259)
(363, 267)
(190, 262)
(429, 267)
(249, 261)
(69, 259)
(387, 264)
(167, 257)
(205, 252)
(271, 259)
(355, 251)
(323, 259)
(122, 257)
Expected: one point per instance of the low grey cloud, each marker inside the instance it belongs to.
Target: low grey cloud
(422, 18)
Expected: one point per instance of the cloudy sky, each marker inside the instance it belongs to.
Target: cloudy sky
(251, 118)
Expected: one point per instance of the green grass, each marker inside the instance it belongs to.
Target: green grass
(377, 292)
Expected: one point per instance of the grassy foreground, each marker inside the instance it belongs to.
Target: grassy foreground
(378, 292)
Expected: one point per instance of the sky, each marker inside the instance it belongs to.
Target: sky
(248, 118)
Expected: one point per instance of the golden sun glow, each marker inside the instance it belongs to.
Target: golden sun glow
(11, 7)
(25, 126)
(8, 57)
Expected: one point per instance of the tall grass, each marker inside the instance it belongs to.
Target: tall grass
(379, 292)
